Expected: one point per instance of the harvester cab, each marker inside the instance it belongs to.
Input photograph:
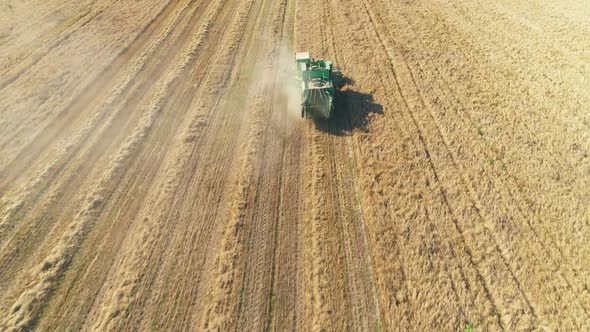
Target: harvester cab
(317, 86)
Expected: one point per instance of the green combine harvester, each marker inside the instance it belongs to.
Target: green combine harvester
(317, 86)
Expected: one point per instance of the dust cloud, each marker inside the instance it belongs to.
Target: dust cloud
(276, 74)
(287, 84)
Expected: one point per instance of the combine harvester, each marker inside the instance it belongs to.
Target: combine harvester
(317, 86)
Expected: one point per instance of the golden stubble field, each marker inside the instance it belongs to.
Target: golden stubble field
(153, 176)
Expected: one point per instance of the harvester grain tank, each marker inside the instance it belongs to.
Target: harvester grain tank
(317, 86)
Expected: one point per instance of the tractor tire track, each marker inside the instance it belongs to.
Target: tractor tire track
(107, 132)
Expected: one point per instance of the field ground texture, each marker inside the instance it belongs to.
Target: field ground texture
(152, 177)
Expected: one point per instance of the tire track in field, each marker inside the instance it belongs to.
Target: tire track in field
(384, 236)
(461, 231)
(426, 151)
(265, 216)
(249, 233)
(513, 275)
(154, 146)
(521, 214)
(200, 217)
(332, 172)
(515, 55)
(467, 184)
(43, 93)
(528, 228)
(52, 206)
(363, 298)
(474, 199)
(73, 137)
(153, 224)
(541, 132)
(45, 138)
(22, 32)
(38, 54)
(257, 302)
(43, 276)
(219, 151)
(20, 168)
(284, 306)
(326, 303)
(75, 171)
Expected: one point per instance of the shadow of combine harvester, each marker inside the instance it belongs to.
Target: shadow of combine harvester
(351, 109)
